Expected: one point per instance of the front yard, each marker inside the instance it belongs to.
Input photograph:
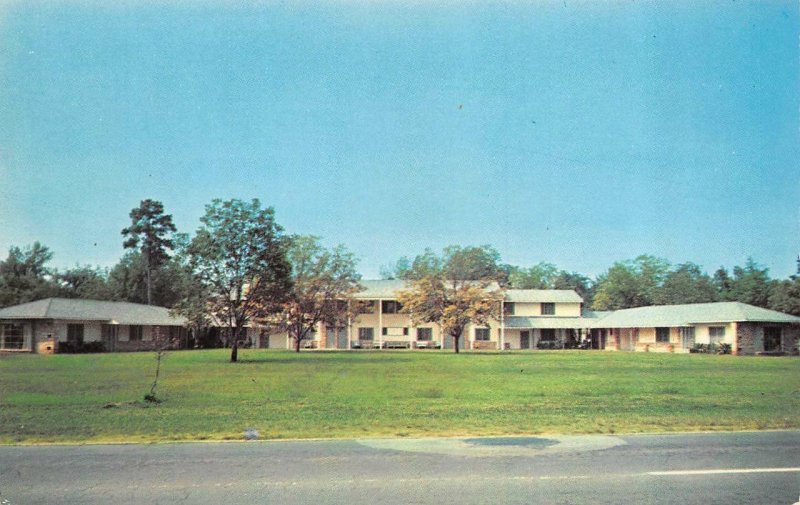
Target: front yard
(98, 397)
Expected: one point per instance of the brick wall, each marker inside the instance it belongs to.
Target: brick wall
(746, 334)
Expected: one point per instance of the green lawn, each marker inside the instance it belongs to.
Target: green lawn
(76, 398)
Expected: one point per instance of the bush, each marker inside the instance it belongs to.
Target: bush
(80, 348)
(712, 348)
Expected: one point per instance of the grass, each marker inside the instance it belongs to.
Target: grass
(98, 397)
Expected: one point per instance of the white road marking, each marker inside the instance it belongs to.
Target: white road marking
(726, 470)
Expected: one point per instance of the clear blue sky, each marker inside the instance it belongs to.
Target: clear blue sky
(574, 133)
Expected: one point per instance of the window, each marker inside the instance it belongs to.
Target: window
(662, 334)
(425, 334)
(394, 332)
(547, 334)
(391, 307)
(366, 333)
(12, 336)
(772, 338)
(135, 333)
(75, 333)
(366, 307)
(716, 334)
(548, 309)
(508, 308)
(481, 333)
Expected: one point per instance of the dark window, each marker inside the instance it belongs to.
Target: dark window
(508, 308)
(716, 334)
(366, 307)
(13, 337)
(548, 309)
(391, 307)
(481, 333)
(75, 333)
(425, 334)
(366, 333)
(394, 331)
(547, 335)
(662, 334)
(772, 338)
(135, 333)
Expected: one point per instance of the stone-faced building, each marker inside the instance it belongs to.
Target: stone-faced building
(45, 324)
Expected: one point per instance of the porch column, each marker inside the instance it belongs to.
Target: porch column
(502, 327)
(380, 323)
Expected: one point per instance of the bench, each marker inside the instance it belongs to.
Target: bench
(428, 344)
(396, 344)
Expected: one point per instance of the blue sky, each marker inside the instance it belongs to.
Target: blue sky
(573, 133)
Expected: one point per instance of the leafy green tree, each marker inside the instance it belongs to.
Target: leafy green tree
(750, 284)
(85, 282)
(24, 275)
(785, 296)
(686, 283)
(460, 290)
(722, 283)
(151, 233)
(578, 283)
(239, 254)
(630, 283)
(323, 283)
(540, 276)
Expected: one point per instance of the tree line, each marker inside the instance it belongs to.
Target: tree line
(241, 267)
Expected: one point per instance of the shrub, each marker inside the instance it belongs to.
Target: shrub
(80, 348)
(724, 349)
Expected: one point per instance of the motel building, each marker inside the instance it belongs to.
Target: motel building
(530, 320)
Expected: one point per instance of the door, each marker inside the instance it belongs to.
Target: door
(110, 336)
(772, 338)
(448, 342)
(687, 337)
(335, 338)
(525, 339)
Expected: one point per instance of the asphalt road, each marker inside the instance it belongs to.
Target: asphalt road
(724, 468)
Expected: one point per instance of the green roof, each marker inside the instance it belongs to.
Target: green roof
(693, 313)
(74, 309)
(546, 322)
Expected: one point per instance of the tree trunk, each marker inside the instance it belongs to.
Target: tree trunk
(297, 344)
(149, 289)
(234, 351)
(456, 338)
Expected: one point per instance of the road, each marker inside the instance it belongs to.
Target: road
(721, 468)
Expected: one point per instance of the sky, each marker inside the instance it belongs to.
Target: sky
(576, 133)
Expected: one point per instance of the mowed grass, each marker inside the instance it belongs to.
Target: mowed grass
(98, 398)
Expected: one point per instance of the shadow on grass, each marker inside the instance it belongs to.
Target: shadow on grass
(316, 359)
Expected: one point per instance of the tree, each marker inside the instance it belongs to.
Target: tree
(686, 283)
(540, 276)
(785, 296)
(750, 284)
(239, 254)
(24, 275)
(460, 291)
(150, 231)
(576, 282)
(323, 282)
(85, 282)
(630, 283)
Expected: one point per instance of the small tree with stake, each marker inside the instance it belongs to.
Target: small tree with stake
(162, 342)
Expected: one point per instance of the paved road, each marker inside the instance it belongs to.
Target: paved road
(728, 468)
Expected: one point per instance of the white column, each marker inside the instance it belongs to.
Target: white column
(380, 323)
(502, 327)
